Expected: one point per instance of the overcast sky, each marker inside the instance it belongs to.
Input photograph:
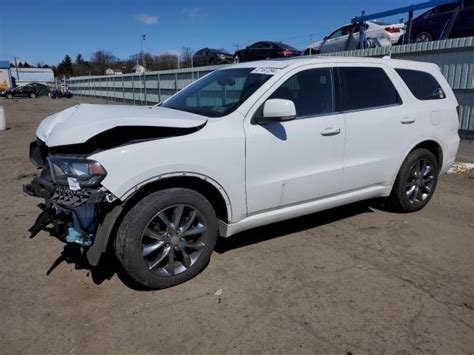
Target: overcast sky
(46, 30)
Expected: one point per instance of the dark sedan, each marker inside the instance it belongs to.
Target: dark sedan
(209, 56)
(30, 90)
(433, 24)
(265, 50)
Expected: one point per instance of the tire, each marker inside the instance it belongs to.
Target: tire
(236, 59)
(32, 95)
(423, 37)
(413, 190)
(9, 96)
(143, 230)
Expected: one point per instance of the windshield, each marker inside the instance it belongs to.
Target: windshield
(218, 93)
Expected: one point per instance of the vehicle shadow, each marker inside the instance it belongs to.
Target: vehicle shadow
(295, 225)
(109, 266)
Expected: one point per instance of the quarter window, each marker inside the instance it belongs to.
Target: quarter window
(364, 88)
(422, 85)
(310, 90)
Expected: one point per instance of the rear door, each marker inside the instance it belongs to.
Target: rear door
(379, 126)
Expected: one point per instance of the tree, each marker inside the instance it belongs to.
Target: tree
(186, 57)
(101, 60)
(81, 66)
(65, 67)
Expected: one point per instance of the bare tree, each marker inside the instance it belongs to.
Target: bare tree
(186, 57)
(101, 60)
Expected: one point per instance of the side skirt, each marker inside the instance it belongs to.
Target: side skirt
(293, 211)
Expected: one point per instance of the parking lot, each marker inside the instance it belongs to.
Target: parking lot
(354, 279)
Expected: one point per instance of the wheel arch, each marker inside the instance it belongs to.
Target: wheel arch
(206, 186)
(431, 145)
(203, 184)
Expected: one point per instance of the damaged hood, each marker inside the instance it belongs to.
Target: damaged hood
(79, 123)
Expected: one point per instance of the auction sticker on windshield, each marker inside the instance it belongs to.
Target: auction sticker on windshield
(265, 70)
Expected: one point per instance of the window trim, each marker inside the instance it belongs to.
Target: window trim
(341, 90)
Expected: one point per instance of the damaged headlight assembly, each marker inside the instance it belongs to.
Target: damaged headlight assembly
(75, 172)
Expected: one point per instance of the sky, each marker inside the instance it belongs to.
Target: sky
(44, 31)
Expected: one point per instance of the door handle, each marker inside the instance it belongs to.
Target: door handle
(331, 131)
(407, 120)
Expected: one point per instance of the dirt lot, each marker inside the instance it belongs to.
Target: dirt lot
(354, 279)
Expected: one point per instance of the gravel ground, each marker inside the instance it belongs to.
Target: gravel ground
(354, 279)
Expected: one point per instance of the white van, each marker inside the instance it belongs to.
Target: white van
(244, 146)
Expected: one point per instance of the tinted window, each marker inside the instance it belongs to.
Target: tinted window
(363, 88)
(310, 90)
(422, 85)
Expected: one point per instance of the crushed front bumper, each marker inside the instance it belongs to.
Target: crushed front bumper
(85, 216)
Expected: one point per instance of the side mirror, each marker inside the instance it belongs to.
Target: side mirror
(277, 110)
(326, 38)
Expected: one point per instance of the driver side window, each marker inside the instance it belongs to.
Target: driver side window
(310, 90)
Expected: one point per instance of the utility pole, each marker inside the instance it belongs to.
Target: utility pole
(142, 53)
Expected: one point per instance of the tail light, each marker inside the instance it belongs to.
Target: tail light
(285, 53)
(392, 29)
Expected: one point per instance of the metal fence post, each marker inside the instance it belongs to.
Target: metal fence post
(133, 89)
(123, 90)
(159, 87)
(144, 88)
(175, 83)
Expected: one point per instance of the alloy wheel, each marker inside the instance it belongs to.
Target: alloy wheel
(173, 240)
(419, 185)
(423, 37)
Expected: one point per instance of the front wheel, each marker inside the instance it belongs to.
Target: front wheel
(9, 96)
(416, 181)
(32, 95)
(167, 238)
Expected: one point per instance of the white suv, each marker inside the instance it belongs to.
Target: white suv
(245, 146)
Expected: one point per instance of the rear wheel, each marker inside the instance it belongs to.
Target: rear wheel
(167, 238)
(416, 181)
(423, 37)
(236, 59)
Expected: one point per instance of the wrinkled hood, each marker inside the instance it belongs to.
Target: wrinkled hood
(79, 123)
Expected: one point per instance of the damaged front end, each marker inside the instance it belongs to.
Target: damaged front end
(75, 203)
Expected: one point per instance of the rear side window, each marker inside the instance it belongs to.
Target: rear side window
(311, 91)
(422, 85)
(365, 88)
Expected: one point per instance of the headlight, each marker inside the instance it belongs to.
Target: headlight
(76, 172)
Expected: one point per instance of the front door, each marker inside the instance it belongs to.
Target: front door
(296, 161)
